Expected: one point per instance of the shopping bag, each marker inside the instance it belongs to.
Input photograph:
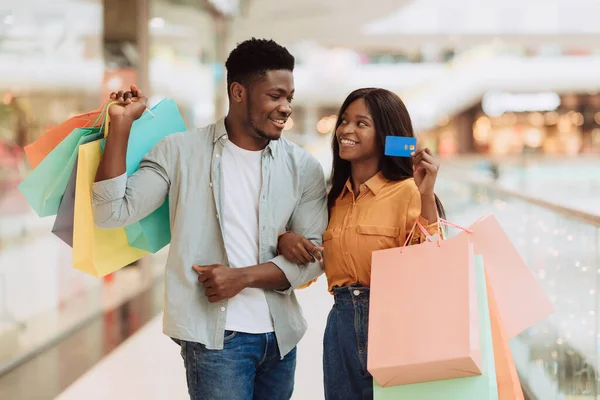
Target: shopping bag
(483, 387)
(423, 319)
(45, 185)
(63, 224)
(153, 232)
(96, 251)
(40, 148)
(521, 300)
(509, 386)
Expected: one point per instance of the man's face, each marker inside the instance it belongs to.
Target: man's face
(269, 103)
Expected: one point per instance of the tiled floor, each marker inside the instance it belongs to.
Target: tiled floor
(148, 365)
(48, 373)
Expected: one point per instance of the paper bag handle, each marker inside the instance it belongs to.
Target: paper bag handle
(441, 221)
(106, 121)
(452, 225)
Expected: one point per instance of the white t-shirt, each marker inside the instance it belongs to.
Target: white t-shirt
(247, 312)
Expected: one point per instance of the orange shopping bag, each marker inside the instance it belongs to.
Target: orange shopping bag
(423, 315)
(40, 148)
(509, 387)
(521, 300)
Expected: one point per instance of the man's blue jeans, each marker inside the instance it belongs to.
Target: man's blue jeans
(248, 368)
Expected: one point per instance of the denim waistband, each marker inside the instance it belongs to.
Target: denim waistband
(351, 293)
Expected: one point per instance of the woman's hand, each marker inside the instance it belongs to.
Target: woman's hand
(298, 249)
(425, 168)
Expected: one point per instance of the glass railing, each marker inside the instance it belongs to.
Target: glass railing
(558, 357)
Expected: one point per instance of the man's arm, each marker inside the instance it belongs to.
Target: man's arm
(222, 282)
(309, 219)
(117, 200)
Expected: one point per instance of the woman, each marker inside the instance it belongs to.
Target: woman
(374, 203)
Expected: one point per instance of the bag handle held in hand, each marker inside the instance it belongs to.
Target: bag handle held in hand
(106, 122)
(428, 236)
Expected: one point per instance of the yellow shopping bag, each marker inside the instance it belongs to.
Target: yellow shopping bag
(96, 251)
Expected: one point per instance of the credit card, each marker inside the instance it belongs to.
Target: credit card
(400, 146)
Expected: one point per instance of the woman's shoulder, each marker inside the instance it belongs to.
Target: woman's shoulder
(407, 186)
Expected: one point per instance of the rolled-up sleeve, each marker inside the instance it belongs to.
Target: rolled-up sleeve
(310, 220)
(124, 200)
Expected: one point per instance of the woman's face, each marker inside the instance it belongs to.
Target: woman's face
(356, 135)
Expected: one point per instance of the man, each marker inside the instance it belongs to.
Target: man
(233, 188)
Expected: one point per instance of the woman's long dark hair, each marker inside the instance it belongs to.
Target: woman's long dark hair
(391, 118)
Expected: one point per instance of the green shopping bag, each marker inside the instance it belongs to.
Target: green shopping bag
(153, 232)
(481, 387)
(45, 186)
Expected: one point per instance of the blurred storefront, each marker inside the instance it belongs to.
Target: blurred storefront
(512, 124)
(59, 59)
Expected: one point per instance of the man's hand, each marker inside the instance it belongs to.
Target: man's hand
(221, 282)
(298, 249)
(130, 104)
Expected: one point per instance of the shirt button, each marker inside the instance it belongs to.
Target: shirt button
(217, 155)
(222, 308)
(356, 292)
(217, 216)
(210, 184)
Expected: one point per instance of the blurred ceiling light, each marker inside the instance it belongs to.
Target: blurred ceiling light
(326, 124)
(483, 123)
(322, 126)
(289, 124)
(157, 23)
(481, 131)
(533, 138)
(9, 19)
(577, 119)
(551, 118)
(564, 124)
(498, 103)
(536, 119)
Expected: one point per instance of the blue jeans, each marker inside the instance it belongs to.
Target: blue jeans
(345, 346)
(248, 368)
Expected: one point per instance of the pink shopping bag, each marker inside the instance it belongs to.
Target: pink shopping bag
(521, 300)
(423, 316)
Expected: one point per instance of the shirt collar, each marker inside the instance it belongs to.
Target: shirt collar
(375, 184)
(220, 133)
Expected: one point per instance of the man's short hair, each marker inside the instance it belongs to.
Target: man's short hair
(252, 59)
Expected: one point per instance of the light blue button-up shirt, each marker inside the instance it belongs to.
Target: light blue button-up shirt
(187, 167)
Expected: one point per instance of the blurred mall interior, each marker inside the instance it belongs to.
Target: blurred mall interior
(507, 94)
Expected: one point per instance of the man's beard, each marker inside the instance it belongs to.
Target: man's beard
(259, 132)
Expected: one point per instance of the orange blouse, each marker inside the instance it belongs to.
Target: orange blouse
(379, 217)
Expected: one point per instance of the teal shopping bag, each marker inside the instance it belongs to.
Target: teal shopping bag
(153, 232)
(481, 387)
(45, 186)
